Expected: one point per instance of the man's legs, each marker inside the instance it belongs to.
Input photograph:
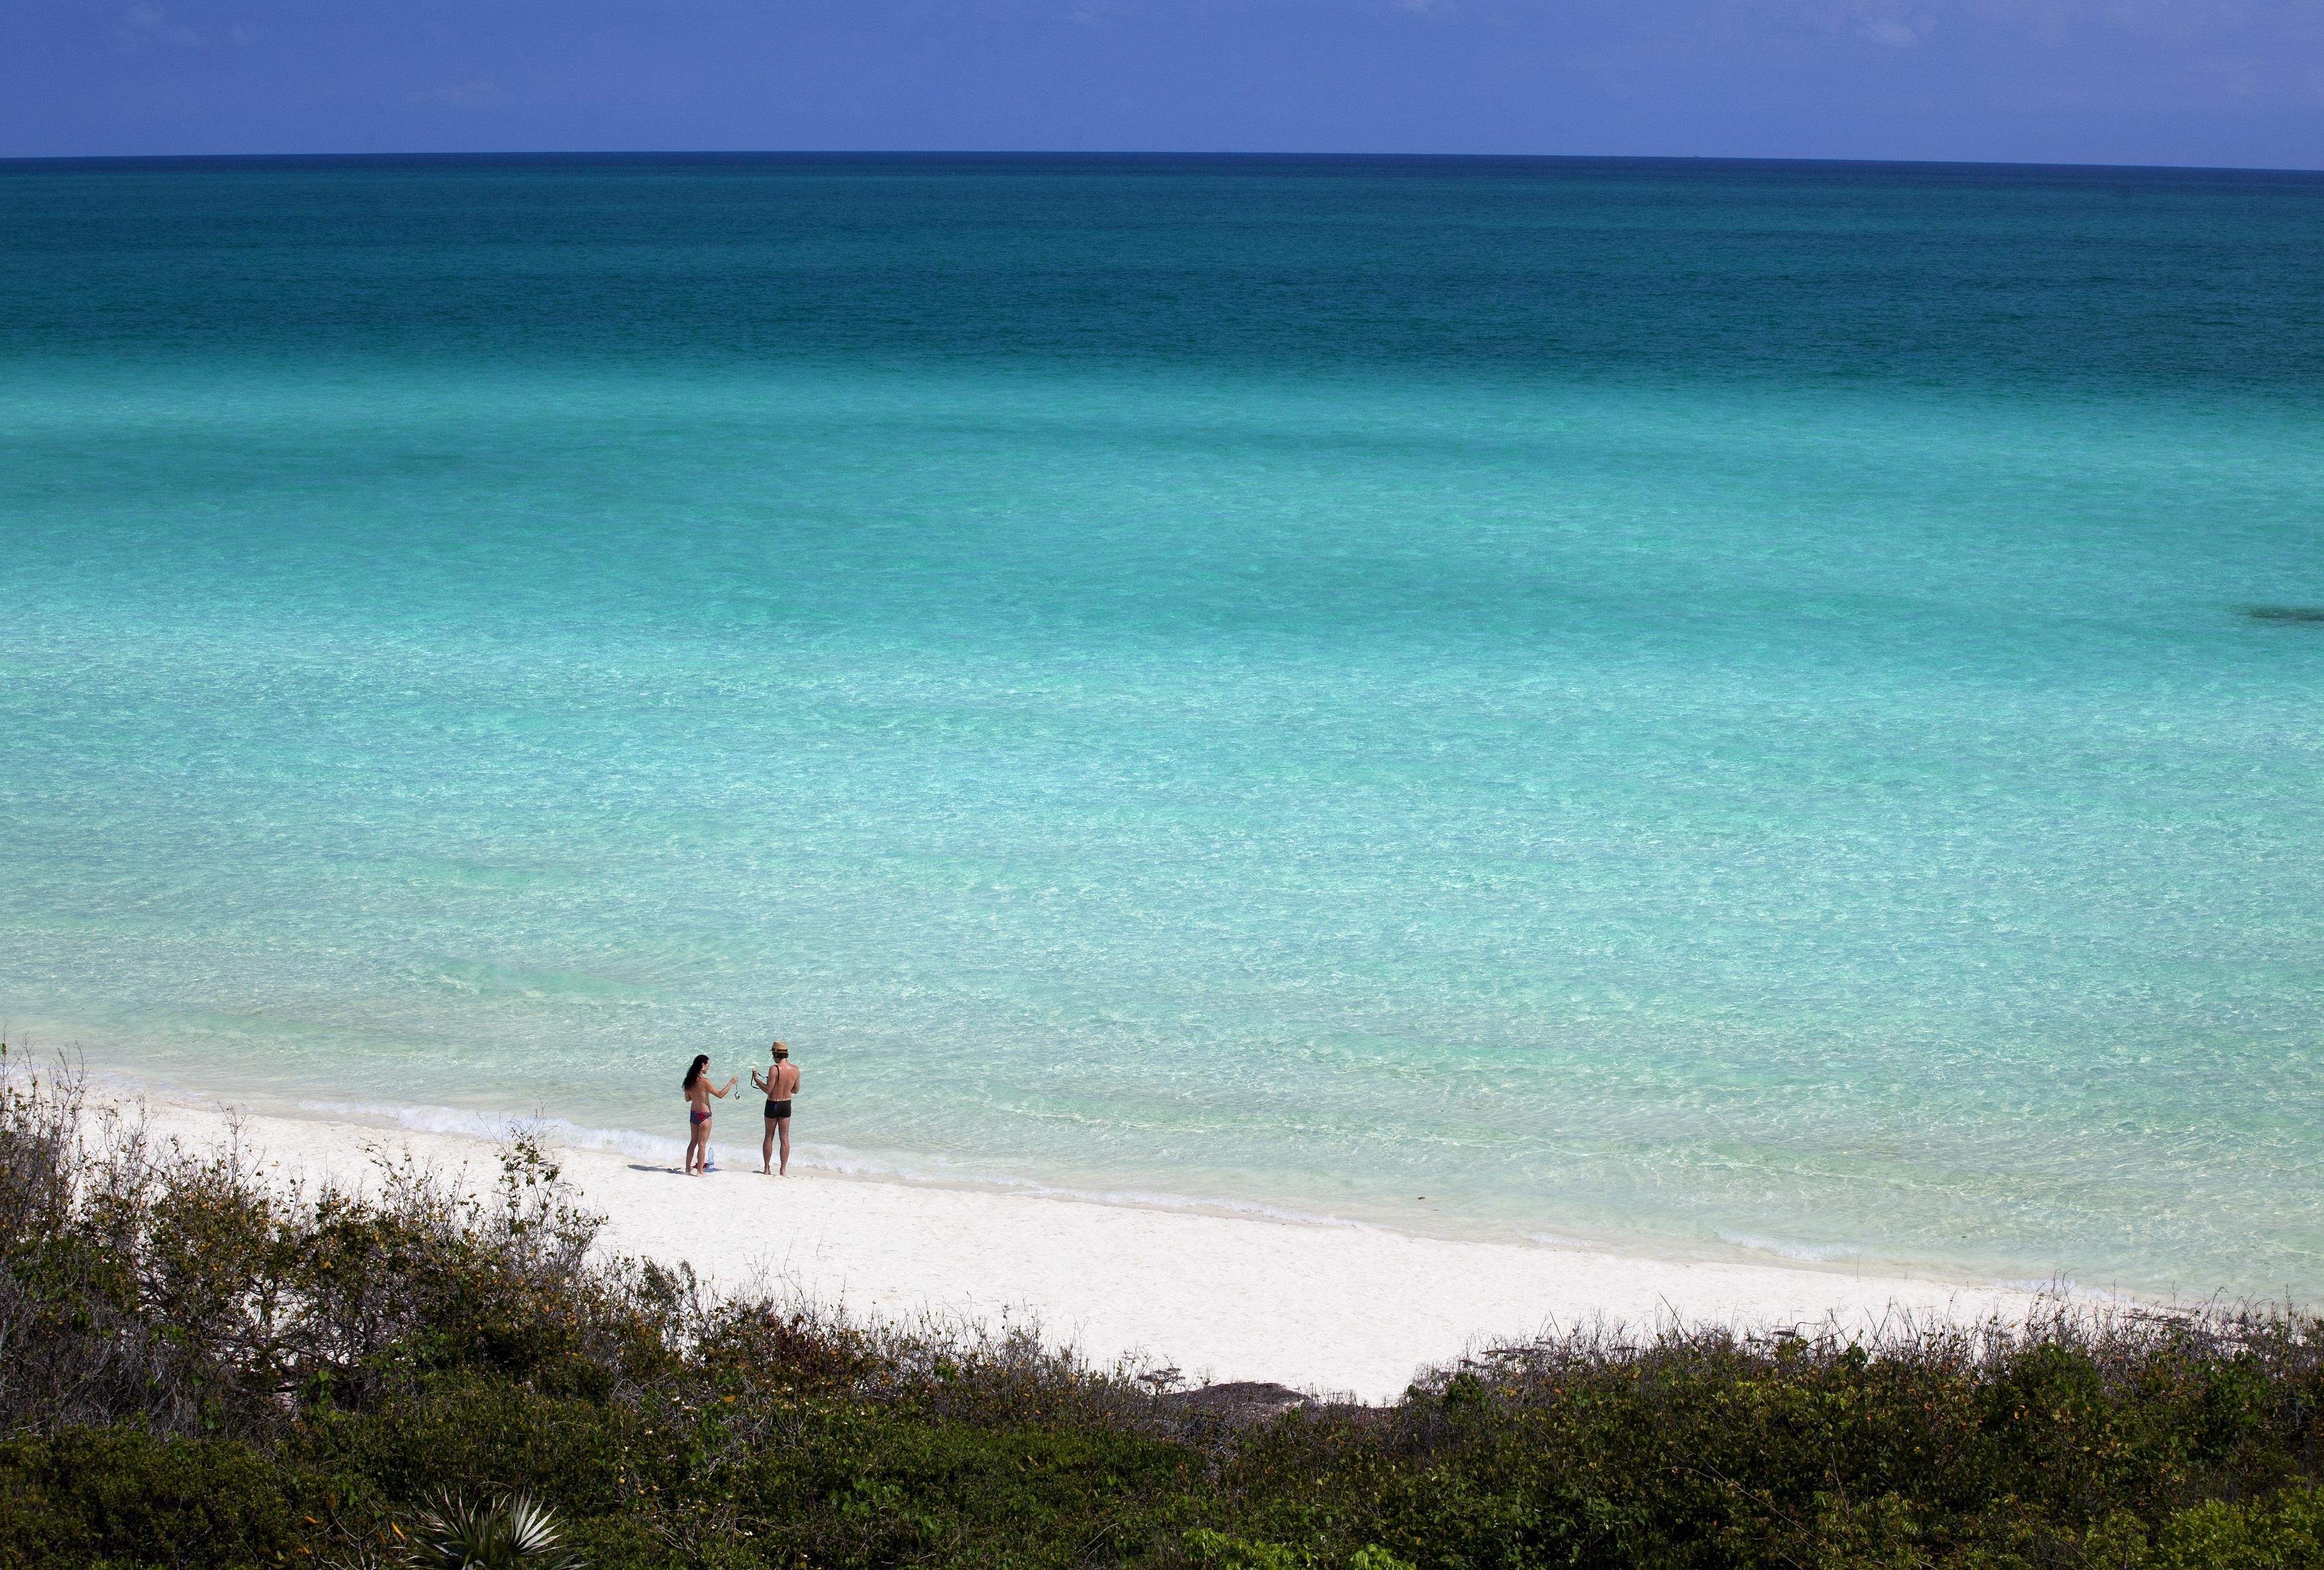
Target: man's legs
(784, 1124)
(767, 1149)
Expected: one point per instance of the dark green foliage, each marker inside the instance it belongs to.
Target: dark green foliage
(121, 1496)
(199, 1370)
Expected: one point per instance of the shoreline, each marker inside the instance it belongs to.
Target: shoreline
(1336, 1308)
(490, 1126)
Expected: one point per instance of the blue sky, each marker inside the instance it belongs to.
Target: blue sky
(2235, 82)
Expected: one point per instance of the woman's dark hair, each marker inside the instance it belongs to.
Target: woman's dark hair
(694, 1072)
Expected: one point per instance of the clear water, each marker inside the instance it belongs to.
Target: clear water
(1701, 707)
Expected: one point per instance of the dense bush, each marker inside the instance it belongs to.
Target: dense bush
(200, 1368)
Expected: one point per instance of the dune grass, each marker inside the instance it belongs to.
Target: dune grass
(202, 1367)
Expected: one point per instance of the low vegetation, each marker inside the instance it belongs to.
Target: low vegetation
(200, 1366)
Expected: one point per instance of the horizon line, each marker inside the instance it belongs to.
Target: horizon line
(609, 155)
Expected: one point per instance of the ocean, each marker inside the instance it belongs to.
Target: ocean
(1712, 708)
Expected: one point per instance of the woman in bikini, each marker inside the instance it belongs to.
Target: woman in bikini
(696, 1085)
(780, 1084)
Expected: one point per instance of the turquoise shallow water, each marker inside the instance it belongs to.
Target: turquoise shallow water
(1701, 707)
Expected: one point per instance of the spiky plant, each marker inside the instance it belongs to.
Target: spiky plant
(512, 1531)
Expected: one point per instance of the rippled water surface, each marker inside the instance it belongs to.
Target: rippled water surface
(1696, 706)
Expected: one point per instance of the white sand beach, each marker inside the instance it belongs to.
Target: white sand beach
(1330, 1309)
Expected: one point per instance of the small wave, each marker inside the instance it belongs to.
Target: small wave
(1558, 1240)
(1809, 1252)
(1142, 1200)
(501, 1125)
(572, 988)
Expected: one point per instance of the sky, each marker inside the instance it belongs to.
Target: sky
(2207, 82)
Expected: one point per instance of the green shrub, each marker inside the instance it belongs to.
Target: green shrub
(2284, 1533)
(120, 1496)
(512, 1531)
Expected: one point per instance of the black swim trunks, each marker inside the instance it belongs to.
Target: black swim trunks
(779, 1108)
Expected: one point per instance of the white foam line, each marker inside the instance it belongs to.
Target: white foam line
(836, 1160)
(1807, 1252)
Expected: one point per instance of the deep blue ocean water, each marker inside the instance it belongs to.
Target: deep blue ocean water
(1703, 707)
